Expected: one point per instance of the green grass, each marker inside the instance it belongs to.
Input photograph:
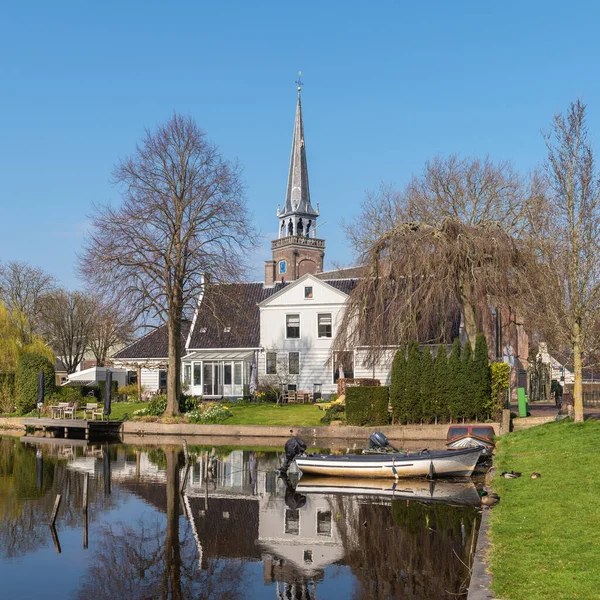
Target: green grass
(544, 531)
(292, 415)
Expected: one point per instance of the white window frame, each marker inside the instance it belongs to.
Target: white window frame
(312, 292)
(299, 326)
(267, 363)
(290, 363)
(325, 337)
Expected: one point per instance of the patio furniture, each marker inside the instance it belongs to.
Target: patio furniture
(89, 409)
(69, 410)
(57, 411)
(291, 396)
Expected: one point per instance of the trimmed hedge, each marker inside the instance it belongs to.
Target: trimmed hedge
(367, 405)
(26, 380)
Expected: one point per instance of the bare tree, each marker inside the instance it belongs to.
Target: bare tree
(183, 216)
(445, 245)
(281, 372)
(21, 287)
(565, 233)
(112, 325)
(68, 322)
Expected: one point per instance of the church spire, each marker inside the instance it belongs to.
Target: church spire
(297, 206)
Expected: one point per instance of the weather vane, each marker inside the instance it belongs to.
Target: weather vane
(299, 81)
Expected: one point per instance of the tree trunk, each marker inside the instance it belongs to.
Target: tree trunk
(469, 318)
(577, 372)
(174, 368)
(172, 547)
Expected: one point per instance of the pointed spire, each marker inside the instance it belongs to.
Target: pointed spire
(297, 200)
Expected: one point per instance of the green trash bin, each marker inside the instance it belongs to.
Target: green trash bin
(522, 398)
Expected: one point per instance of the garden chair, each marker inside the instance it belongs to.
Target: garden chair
(89, 410)
(69, 410)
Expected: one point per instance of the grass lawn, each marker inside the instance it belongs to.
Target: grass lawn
(272, 414)
(545, 531)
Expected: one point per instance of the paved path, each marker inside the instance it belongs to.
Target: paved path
(542, 409)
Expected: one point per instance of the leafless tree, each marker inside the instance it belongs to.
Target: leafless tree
(278, 376)
(67, 323)
(183, 216)
(112, 325)
(565, 235)
(445, 245)
(21, 287)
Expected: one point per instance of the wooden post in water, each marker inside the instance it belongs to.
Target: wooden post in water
(55, 538)
(86, 485)
(55, 510)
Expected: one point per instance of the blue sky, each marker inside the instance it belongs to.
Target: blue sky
(388, 85)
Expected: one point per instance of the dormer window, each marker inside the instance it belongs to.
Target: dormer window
(202, 329)
(308, 292)
(227, 330)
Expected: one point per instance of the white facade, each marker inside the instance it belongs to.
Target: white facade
(307, 302)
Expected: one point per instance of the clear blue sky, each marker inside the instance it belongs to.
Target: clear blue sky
(388, 85)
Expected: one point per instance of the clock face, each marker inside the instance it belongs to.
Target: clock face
(282, 267)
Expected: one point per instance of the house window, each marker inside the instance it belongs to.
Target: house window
(227, 374)
(324, 325)
(162, 379)
(292, 521)
(324, 522)
(292, 326)
(271, 363)
(294, 363)
(187, 373)
(237, 373)
(308, 556)
(131, 377)
(343, 365)
(197, 373)
(308, 292)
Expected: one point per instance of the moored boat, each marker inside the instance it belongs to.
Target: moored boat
(424, 463)
(471, 436)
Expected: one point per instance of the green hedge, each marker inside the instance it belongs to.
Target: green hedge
(367, 405)
(26, 380)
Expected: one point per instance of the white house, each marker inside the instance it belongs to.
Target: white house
(281, 329)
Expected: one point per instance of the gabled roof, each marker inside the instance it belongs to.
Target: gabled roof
(153, 345)
(339, 285)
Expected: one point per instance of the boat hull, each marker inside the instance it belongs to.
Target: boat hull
(444, 463)
(461, 493)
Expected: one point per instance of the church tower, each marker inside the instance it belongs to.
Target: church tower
(297, 251)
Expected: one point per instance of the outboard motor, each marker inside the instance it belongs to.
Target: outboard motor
(378, 441)
(293, 447)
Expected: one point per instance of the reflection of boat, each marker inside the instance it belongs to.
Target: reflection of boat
(426, 463)
(471, 436)
(462, 493)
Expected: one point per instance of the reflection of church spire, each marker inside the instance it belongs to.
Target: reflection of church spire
(298, 212)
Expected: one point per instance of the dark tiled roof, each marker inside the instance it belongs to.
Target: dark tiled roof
(233, 305)
(345, 273)
(154, 344)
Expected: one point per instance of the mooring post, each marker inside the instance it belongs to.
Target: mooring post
(86, 482)
(55, 539)
(55, 510)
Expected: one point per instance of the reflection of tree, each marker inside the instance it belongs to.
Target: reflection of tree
(414, 550)
(25, 509)
(159, 559)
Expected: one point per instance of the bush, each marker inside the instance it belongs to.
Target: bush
(189, 403)
(210, 413)
(98, 390)
(130, 391)
(337, 412)
(157, 406)
(26, 380)
(7, 392)
(500, 380)
(68, 393)
(367, 405)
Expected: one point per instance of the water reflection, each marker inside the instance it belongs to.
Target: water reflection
(226, 526)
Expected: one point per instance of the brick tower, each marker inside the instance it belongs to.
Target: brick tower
(297, 251)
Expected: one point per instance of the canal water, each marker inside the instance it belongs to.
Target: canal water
(222, 526)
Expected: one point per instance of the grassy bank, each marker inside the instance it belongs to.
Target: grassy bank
(298, 415)
(544, 531)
